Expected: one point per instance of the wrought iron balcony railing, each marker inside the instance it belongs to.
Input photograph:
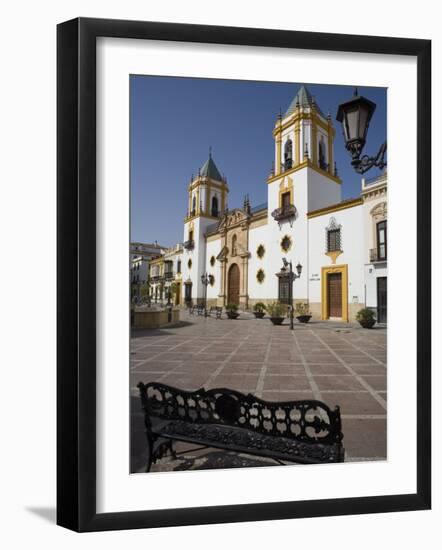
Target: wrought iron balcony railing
(284, 213)
(169, 275)
(189, 245)
(377, 256)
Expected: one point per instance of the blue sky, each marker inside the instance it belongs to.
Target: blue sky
(174, 121)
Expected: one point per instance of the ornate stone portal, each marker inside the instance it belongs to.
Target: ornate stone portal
(234, 257)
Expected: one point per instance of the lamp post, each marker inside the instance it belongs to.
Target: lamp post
(205, 279)
(292, 277)
(355, 116)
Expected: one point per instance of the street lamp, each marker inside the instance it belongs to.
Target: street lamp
(292, 277)
(355, 116)
(205, 279)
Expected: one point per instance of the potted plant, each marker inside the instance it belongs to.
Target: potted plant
(276, 311)
(232, 311)
(366, 317)
(259, 310)
(303, 314)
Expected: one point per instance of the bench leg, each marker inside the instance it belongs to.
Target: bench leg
(150, 446)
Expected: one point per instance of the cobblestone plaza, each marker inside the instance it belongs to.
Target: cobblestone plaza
(339, 364)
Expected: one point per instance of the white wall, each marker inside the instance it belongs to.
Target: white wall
(28, 493)
(296, 232)
(352, 235)
(213, 248)
(322, 191)
(372, 272)
(257, 236)
(197, 255)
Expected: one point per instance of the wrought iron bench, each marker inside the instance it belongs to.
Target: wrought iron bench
(200, 309)
(305, 432)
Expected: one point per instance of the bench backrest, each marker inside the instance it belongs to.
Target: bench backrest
(306, 420)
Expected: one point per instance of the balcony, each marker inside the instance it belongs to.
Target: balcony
(169, 275)
(189, 245)
(376, 256)
(284, 213)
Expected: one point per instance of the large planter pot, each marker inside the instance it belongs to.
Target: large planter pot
(232, 314)
(369, 323)
(304, 318)
(277, 320)
(259, 314)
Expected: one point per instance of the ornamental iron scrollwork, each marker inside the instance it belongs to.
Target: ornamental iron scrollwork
(283, 213)
(308, 421)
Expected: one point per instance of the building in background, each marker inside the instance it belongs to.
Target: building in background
(340, 244)
(165, 277)
(374, 194)
(141, 255)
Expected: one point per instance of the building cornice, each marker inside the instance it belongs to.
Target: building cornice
(335, 208)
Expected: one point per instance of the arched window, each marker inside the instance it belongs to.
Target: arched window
(322, 154)
(193, 205)
(288, 154)
(215, 206)
(234, 245)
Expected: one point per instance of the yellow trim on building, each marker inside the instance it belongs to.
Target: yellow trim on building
(314, 144)
(297, 142)
(283, 189)
(298, 116)
(325, 271)
(304, 164)
(258, 222)
(278, 155)
(334, 255)
(334, 208)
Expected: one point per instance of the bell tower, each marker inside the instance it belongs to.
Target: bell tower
(207, 192)
(304, 137)
(303, 178)
(207, 200)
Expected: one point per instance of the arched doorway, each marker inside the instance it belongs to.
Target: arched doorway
(233, 285)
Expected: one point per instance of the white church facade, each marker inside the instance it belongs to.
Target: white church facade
(340, 244)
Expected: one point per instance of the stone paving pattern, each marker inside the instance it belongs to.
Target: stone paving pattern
(336, 363)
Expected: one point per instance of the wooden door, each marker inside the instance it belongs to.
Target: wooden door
(233, 286)
(382, 299)
(187, 292)
(334, 294)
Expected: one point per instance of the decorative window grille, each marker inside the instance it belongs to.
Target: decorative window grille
(334, 240)
(260, 276)
(333, 236)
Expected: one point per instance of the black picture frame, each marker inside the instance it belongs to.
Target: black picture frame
(76, 272)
